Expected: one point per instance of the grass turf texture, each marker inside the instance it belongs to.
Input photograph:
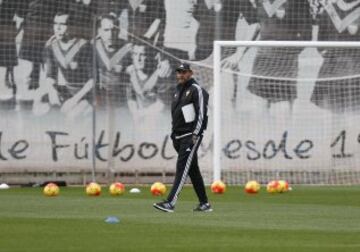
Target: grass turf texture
(306, 219)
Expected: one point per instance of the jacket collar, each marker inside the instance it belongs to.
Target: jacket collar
(186, 84)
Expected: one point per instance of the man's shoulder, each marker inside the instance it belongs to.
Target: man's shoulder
(83, 44)
(198, 91)
(196, 86)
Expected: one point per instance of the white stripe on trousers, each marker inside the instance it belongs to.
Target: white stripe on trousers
(186, 171)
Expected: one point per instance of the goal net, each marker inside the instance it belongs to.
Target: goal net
(287, 110)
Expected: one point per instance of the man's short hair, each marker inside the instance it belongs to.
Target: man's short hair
(109, 17)
(70, 21)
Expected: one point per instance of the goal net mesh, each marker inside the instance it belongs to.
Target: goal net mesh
(290, 113)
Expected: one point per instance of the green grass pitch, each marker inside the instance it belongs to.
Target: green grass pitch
(305, 219)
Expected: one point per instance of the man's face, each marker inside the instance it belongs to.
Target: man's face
(61, 29)
(138, 57)
(108, 32)
(183, 76)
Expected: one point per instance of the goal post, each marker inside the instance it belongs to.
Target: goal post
(314, 140)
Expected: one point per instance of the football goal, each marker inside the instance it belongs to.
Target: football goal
(287, 110)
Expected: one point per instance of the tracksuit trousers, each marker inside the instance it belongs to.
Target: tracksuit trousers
(187, 164)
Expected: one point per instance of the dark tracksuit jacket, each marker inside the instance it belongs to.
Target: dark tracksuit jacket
(189, 118)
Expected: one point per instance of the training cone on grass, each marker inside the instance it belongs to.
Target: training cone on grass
(135, 190)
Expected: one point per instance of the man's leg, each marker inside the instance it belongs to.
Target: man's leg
(22, 78)
(165, 205)
(186, 153)
(197, 181)
(35, 76)
(7, 87)
(6, 91)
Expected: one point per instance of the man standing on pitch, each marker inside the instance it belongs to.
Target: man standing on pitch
(189, 120)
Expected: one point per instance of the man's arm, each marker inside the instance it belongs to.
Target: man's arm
(200, 101)
(245, 32)
(153, 29)
(48, 86)
(247, 28)
(51, 91)
(73, 101)
(163, 70)
(135, 81)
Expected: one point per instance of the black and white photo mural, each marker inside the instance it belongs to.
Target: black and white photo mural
(85, 80)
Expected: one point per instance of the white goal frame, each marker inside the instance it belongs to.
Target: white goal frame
(217, 155)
